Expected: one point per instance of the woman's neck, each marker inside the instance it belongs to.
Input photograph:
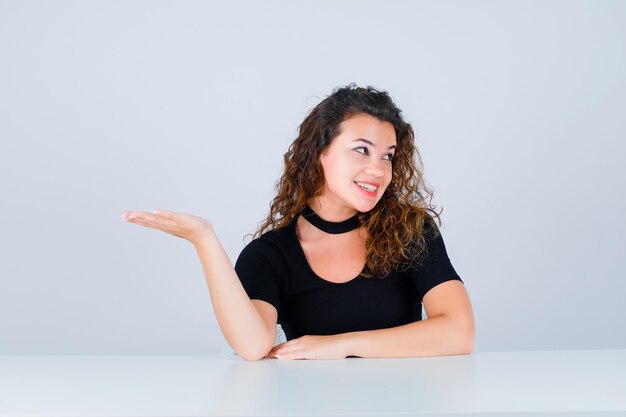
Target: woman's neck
(330, 211)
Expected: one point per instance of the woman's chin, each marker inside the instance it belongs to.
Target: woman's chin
(364, 207)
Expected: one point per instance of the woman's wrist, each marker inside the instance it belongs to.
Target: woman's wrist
(347, 342)
(204, 236)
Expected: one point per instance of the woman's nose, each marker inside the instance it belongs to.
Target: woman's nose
(376, 168)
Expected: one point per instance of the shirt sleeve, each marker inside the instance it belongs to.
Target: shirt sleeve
(435, 267)
(257, 273)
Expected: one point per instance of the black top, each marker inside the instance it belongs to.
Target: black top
(274, 268)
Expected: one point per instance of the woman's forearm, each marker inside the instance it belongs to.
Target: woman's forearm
(436, 336)
(239, 320)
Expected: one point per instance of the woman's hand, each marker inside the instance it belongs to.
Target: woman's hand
(186, 226)
(311, 347)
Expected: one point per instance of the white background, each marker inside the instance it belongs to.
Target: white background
(106, 106)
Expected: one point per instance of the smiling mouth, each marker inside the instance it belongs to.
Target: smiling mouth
(367, 187)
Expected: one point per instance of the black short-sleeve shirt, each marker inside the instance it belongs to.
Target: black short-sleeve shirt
(273, 268)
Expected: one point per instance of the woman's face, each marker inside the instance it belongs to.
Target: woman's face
(357, 164)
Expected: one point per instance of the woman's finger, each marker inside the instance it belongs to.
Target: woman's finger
(161, 224)
(146, 216)
(164, 213)
(186, 226)
(152, 220)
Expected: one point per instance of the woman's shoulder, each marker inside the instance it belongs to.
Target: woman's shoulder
(430, 228)
(427, 230)
(270, 241)
(423, 240)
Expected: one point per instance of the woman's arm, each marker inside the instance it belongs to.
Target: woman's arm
(449, 329)
(241, 322)
(245, 328)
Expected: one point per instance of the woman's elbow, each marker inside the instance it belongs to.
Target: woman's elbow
(256, 354)
(465, 337)
(467, 345)
(252, 355)
(252, 358)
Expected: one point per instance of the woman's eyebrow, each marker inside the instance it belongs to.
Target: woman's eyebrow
(370, 142)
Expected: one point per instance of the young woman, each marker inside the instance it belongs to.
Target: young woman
(348, 253)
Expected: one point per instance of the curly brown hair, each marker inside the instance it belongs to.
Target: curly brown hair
(399, 224)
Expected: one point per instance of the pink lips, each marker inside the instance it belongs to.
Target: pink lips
(375, 184)
(368, 193)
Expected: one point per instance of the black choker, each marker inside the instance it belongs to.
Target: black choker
(330, 227)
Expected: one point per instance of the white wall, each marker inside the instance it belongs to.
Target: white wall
(189, 106)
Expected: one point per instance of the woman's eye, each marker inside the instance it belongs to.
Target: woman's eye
(390, 155)
(364, 149)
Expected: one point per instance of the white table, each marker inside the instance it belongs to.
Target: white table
(537, 383)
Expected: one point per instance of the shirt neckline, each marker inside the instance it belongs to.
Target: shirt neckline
(294, 235)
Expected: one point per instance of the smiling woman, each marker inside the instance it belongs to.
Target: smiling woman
(348, 253)
(347, 162)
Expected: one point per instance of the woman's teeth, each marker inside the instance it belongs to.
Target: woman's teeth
(367, 187)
